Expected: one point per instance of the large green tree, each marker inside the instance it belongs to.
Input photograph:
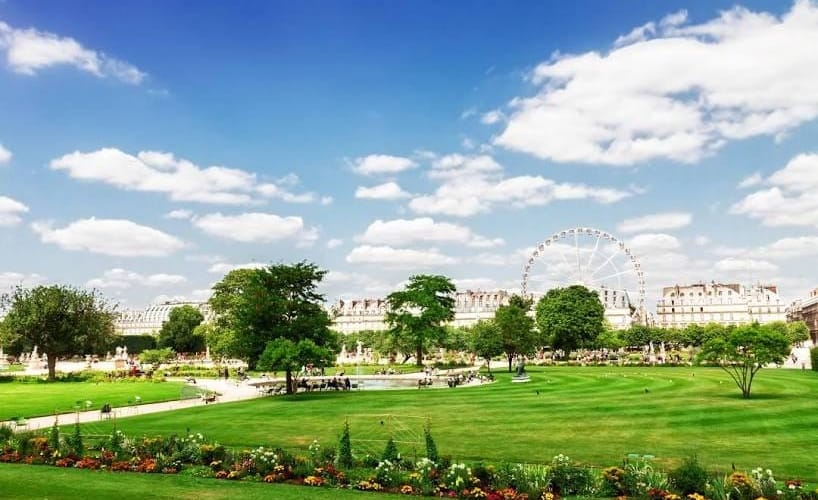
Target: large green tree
(744, 351)
(486, 340)
(59, 320)
(516, 328)
(571, 317)
(179, 331)
(416, 315)
(277, 305)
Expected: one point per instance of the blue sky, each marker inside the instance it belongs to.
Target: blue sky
(149, 147)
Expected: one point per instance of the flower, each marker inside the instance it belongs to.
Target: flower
(407, 489)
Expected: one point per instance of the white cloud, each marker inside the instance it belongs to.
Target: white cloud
(30, 50)
(385, 191)
(656, 222)
(5, 155)
(10, 211)
(638, 34)
(468, 113)
(118, 237)
(398, 258)
(382, 164)
(401, 232)
(358, 282)
(179, 214)
(791, 200)
(180, 179)
(492, 117)
(653, 242)
(11, 279)
(785, 248)
(679, 96)
(256, 227)
(750, 181)
(476, 184)
(701, 240)
(327, 200)
(224, 267)
(123, 279)
(208, 259)
(732, 264)
(334, 243)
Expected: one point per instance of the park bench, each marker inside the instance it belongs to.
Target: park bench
(20, 422)
(209, 398)
(105, 411)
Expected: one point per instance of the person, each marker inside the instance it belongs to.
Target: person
(347, 383)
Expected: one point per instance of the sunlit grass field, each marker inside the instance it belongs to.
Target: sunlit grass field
(596, 415)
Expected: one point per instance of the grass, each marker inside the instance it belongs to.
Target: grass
(596, 415)
(32, 399)
(29, 482)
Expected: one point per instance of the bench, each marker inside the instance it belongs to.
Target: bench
(105, 411)
(20, 422)
(209, 398)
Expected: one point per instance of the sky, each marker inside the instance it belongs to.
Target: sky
(147, 148)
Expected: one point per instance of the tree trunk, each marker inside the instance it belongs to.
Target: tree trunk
(419, 355)
(488, 363)
(510, 359)
(289, 382)
(52, 366)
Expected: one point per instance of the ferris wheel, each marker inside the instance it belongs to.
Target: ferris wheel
(589, 257)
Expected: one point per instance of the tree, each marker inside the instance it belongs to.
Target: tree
(745, 351)
(417, 313)
(59, 320)
(572, 317)
(609, 339)
(516, 328)
(797, 332)
(275, 309)
(486, 340)
(179, 331)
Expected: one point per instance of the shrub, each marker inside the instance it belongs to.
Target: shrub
(813, 355)
(74, 441)
(345, 448)
(569, 479)
(390, 453)
(431, 447)
(6, 433)
(690, 477)
(54, 437)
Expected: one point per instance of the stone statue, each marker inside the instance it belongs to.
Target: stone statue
(521, 368)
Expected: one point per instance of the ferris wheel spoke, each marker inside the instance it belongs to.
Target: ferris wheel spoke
(576, 248)
(614, 275)
(593, 252)
(607, 261)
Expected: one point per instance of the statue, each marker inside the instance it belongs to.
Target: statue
(521, 375)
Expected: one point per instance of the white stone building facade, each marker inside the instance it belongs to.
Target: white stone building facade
(149, 321)
(722, 303)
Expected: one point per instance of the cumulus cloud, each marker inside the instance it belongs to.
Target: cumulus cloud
(334, 243)
(179, 179)
(11, 279)
(492, 117)
(733, 264)
(653, 242)
(30, 50)
(401, 232)
(673, 91)
(225, 267)
(789, 198)
(5, 155)
(398, 258)
(655, 222)
(118, 237)
(179, 214)
(381, 164)
(385, 191)
(10, 211)
(470, 185)
(119, 278)
(256, 227)
(750, 181)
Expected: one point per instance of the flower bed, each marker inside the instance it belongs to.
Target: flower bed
(636, 476)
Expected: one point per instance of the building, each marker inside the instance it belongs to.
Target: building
(722, 303)
(806, 310)
(149, 321)
(350, 316)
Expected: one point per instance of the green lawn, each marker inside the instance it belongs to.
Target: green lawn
(31, 399)
(52, 483)
(595, 415)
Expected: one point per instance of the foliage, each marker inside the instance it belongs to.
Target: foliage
(178, 332)
(157, 356)
(797, 332)
(609, 339)
(570, 479)
(486, 340)
(135, 343)
(284, 354)
(571, 317)
(278, 305)
(516, 328)
(59, 320)
(813, 356)
(391, 453)
(416, 314)
(74, 441)
(745, 351)
(689, 477)
(345, 448)
(431, 447)
(457, 339)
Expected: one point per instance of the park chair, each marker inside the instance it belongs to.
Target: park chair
(20, 423)
(105, 411)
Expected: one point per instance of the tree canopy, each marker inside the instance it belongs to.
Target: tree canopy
(272, 309)
(59, 320)
(745, 351)
(179, 331)
(516, 328)
(417, 313)
(486, 340)
(570, 317)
